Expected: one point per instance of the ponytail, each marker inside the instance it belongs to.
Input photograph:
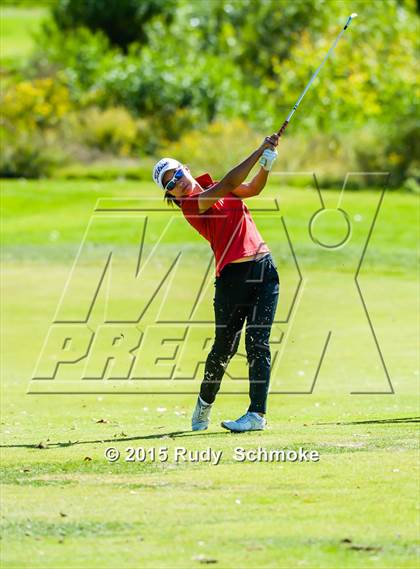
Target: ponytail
(170, 200)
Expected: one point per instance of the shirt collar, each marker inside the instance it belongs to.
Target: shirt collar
(205, 180)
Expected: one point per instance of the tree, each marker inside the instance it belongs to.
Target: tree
(122, 21)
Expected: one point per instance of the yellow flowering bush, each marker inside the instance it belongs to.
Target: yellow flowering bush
(30, 121)
(41, 103)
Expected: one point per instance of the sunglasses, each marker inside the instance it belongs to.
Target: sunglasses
(174, 180)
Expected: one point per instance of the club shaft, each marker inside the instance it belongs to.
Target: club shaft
(292, 112)
(312, 79)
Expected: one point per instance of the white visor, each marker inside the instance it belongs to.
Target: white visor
(163, 166)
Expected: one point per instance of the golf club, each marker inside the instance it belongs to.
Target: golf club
(292, 112)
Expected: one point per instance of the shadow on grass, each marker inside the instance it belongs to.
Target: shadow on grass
(160, 436)
(377, 421)
(187, 434)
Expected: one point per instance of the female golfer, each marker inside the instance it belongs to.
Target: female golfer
(247, 283)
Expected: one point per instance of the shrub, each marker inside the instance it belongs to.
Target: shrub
(221, 145)
(111, 130)
(41, 103)
(403, 152)
(178, 88)
(27, 155)
(216, 148)
(78, 58)
(32, 112)
(109, 169)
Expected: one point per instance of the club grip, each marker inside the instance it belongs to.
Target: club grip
(283, 128)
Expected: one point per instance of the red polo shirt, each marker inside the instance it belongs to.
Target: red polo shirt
(227, 225)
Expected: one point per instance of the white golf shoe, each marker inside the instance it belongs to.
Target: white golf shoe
(201, 416)
(248, 422)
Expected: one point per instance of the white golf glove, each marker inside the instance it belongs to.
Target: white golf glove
(268, 158)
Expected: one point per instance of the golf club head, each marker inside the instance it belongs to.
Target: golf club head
(350, 18)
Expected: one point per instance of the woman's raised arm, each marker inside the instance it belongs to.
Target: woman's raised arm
(235, 177)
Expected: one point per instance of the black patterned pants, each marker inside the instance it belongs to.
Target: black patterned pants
(244, 291)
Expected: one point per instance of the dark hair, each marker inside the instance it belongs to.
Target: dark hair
(170, 200)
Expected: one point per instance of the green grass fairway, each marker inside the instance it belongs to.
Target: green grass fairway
(17, 24)
(65, 506)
